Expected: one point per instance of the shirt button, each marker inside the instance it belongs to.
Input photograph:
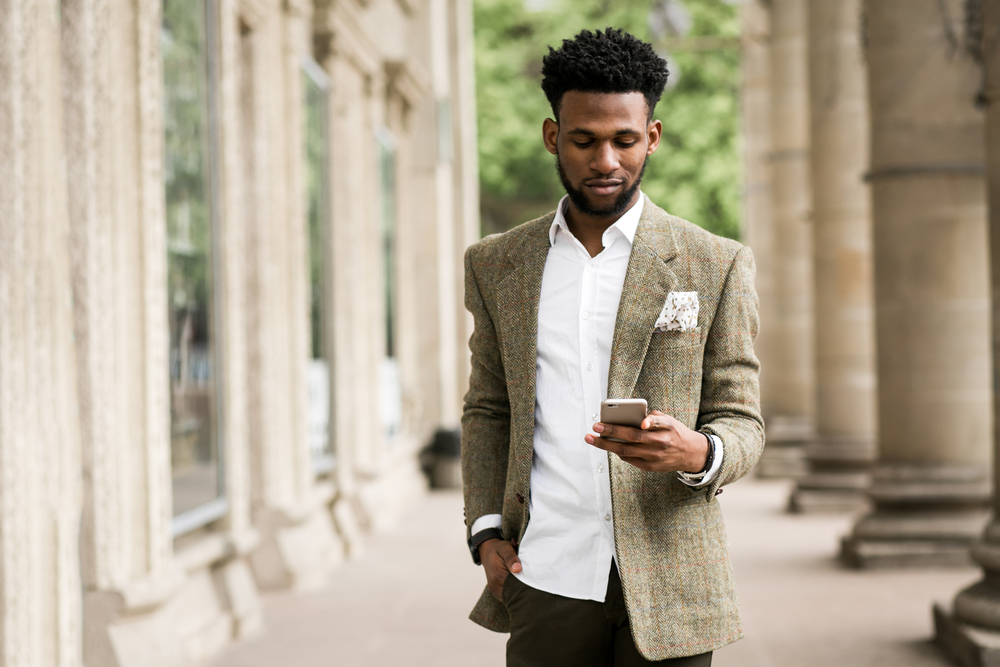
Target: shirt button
(607, 517)
(590, 268)
(594, 416)
(590, 367)
(600, 468)
(585, 315)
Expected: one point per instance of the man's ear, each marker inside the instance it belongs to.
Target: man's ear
(653, 132)
(550, 134)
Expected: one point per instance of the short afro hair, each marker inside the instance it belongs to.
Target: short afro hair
(612, 61)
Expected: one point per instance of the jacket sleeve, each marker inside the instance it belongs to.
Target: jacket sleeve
(486, 416)
(730, 394)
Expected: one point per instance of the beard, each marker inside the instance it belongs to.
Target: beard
(582, 204)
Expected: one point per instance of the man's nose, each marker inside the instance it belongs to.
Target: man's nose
(605, 159)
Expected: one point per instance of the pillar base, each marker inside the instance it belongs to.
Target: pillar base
(970, 633)
(965, 645)
(922, 517)
(784, 455)
(828, 492)
(838, 478)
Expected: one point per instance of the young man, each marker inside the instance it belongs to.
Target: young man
(596, 551)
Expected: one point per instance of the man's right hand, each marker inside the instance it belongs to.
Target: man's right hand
(499, 559)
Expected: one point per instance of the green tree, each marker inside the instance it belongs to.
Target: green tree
(696, 172)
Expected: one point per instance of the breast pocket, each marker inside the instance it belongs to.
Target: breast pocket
(670, 379)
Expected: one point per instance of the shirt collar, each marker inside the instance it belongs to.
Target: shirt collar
(626, 225)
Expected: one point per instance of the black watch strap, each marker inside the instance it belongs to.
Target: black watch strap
(479, 538)
(710, 459)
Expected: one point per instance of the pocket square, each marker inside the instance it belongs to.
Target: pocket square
(680, 312)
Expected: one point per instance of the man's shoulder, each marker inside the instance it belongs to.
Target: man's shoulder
(496, 247)
(694, 241)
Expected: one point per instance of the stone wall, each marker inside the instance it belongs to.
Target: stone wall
(85, 398)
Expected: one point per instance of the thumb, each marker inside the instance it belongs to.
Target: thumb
(510, 559)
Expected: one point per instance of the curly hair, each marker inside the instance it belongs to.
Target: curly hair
(612, 61)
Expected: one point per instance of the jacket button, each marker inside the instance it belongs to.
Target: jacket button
(519, 497)
(718, 492)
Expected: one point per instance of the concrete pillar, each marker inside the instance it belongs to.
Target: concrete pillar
(969, 631)
(931, 484)
(298, 545)
(466, 172)
(758, 221)
(148, 599)
(790, 408)
(40, 609)
(844, 447)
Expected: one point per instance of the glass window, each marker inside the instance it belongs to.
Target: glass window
(191, 214)
(315, 87)
(391, 404)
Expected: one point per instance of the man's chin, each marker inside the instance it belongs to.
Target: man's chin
(601, 207)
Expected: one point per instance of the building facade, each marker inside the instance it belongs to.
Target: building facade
(230, 304)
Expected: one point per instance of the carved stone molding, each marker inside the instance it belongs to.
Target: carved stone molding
(408, 79)
(252, 13)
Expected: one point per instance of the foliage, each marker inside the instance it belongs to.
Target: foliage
(696, 172)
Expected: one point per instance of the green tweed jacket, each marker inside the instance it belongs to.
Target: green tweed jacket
(669, 538)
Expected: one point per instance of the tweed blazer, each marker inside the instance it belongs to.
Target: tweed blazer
(669, 538)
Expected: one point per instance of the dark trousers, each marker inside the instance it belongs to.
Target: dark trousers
(553, 631)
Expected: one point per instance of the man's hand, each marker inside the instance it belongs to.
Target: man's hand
(499, 560)
(661, 444)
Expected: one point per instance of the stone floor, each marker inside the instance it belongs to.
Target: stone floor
(404, 602)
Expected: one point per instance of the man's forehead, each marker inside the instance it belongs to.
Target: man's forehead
(583, 110)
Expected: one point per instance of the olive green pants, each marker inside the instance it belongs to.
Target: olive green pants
(550, 630)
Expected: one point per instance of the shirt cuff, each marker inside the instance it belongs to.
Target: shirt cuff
(486, 521)
(699, 480)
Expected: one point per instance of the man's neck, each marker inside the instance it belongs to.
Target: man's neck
(588, 229)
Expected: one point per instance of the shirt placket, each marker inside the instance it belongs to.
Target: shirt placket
(589, 371)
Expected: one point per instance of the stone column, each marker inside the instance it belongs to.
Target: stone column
(463, 104)
(845, 336)
(969, 633)
(789, 373)
(758, 221)
(931, 484)
(40, 609)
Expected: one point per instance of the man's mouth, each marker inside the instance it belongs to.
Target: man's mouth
(602, 187)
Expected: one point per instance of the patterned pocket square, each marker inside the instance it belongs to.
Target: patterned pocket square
(680, 312)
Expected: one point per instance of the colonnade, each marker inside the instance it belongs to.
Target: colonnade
(873, 266)
(894, 403)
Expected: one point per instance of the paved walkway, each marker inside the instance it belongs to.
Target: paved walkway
(404, 603)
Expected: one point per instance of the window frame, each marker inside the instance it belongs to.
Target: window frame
(218, 507)
(314, 72)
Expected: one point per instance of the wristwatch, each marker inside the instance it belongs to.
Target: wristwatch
(479, 538)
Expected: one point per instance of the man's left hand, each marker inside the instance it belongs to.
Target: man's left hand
(661, 444)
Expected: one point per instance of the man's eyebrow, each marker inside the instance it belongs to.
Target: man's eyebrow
(589, 133)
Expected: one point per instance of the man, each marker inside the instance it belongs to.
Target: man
(600, 552)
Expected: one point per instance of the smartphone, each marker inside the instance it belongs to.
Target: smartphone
(623, 412)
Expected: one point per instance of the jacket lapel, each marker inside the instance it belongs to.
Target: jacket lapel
(518, 294)
(648, 280)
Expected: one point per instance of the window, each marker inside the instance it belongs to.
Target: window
(315, 88)
(391, 407)
(191, 212)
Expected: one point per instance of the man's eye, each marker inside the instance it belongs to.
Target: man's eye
(626, 144)
(583, 144)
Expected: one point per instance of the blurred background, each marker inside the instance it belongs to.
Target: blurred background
(233, 341)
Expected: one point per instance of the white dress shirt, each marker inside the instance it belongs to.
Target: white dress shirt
(569, 542)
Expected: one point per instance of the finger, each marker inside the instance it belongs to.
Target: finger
(626, 433)
(656, 420)
(623, 450)
(509, 556)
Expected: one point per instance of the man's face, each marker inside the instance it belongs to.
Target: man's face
(601, 143)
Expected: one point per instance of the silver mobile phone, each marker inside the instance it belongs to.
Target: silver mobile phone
(623, 412)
